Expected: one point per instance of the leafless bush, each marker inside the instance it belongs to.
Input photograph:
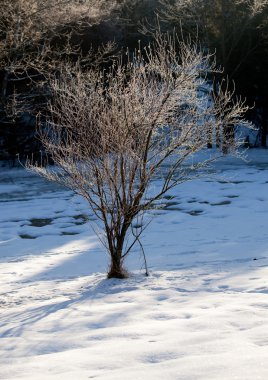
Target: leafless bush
(111, 133)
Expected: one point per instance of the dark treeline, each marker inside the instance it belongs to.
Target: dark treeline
(37, 37)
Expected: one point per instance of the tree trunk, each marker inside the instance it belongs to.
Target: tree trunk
(4, 88)
(209, 139)
(116, 267)
(264, 127)
(228, 138)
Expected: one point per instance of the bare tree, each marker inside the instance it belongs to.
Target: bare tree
(34, 37)
(112, 133)
(227, 25)
(236, 29)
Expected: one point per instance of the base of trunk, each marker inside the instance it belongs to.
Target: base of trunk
(117, 273)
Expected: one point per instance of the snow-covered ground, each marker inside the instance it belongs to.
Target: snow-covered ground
(202, 314)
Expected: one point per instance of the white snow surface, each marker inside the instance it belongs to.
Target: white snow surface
(201, 314)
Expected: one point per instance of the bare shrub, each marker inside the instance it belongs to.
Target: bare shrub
(112, 133)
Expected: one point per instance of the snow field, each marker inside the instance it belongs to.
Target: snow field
(201, 315)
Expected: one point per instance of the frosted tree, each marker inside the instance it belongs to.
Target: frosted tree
(112, 133)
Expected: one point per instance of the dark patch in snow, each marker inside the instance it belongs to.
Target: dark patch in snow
(222, 203)
(42, 222)
(27, 236)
